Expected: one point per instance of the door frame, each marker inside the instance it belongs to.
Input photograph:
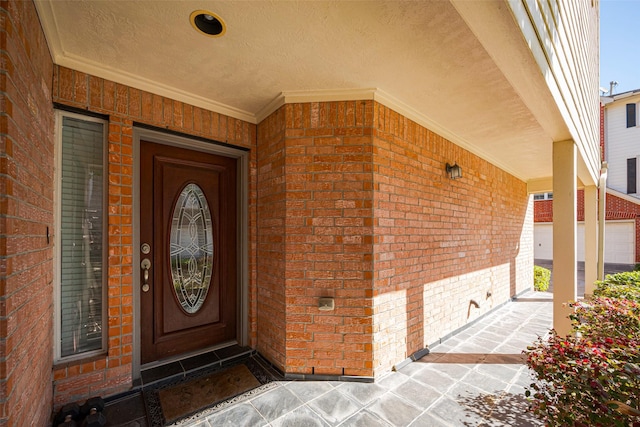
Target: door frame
(208, 146)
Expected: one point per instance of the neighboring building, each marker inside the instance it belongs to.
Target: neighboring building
(620, 134)
(621, 242)
(166, 193)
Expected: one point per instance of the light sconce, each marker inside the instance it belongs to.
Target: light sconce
(454, 171)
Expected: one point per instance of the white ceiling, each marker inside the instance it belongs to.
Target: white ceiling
(418, 57)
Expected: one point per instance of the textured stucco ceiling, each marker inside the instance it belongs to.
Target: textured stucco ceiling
(421, 54)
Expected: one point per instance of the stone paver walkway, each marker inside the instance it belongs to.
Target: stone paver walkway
(475, 378)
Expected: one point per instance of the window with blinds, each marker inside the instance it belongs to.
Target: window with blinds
(631, 175)
(631, 115)
(81, 245)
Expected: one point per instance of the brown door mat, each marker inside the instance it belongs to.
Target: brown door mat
(207, 391)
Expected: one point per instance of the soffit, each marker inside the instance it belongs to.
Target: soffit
(420, 58)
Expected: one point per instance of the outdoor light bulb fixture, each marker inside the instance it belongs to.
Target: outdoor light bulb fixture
(454, 171)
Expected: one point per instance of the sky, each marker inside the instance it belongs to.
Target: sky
(620, 44)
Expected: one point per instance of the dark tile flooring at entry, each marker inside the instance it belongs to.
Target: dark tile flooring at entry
(128, 410)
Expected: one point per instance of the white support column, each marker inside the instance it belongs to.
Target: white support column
(590, 238)
(602, 216)
(564, 233)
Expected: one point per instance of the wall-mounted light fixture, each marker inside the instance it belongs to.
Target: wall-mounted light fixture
(454, 171)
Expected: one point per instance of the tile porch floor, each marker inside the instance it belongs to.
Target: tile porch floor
(475, 378)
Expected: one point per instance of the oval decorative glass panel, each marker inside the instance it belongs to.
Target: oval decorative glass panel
(191, 254)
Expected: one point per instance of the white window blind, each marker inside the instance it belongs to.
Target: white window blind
(81, 236)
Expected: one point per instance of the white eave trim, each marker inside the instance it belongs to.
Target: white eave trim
(382, 97)
(153, 87)
(623, 196)
(305, 96)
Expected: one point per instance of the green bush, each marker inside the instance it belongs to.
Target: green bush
(541, 278)
(619, 285)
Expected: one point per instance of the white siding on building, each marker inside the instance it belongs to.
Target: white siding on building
(621, 143)
(568, 56)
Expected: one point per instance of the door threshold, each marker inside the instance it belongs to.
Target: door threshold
(156, 374)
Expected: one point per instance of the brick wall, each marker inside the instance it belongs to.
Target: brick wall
(125, 105)
(440, 243)
(26, 212)
(543, 210)
(271, 251)
(329, 236)
(370, 218)
(316, 236)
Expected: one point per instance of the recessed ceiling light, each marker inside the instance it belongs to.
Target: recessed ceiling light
(207, 23)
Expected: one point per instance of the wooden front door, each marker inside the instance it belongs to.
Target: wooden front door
(188, 235)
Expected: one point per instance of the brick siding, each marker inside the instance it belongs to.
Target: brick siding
(369, 217)
(26, 213)
(543, 210)
(110, 374)
(440, 243)
(271, 223)
(315, 229)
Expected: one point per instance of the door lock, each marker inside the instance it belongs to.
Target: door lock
(145, 265)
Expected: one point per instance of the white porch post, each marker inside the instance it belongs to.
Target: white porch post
(564, 233)
(602, 216)
(590, 238)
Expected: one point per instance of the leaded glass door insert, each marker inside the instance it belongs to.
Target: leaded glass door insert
(191, 240)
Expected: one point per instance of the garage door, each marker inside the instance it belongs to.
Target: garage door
(619, 242)
(543, 240)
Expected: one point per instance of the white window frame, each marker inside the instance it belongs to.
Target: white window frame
(545, 196)
(57, 258)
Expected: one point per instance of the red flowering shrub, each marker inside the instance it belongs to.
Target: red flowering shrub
(609, 317)
(587, 378)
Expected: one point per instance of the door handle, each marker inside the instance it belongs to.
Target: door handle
(145, 265)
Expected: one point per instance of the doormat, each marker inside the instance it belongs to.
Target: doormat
(206, 392)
